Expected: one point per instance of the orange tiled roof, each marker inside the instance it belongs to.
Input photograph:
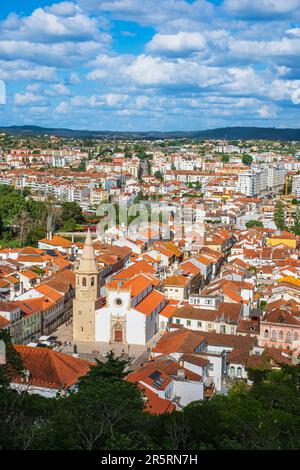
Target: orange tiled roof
(137, 284)
(136, 268)
(179, 280)
(182, 340)
(57, 240)
(29, 274)
(47, 291)
(3, 322)
(155, 404)
(51, 369)
(150, 302)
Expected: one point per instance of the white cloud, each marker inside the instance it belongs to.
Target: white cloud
(74, 78)
(2, 92)
(62, 108)
(23, 70)
(43, 25)
(113, 99)
(162, 14)
(261, 8)
(182, 42)
(63, 9)
(267, 112)
(60, 54)
(25, 99)
(296, 96)
(58, 89)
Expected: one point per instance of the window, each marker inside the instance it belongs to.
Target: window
(222, 329)
(210, 367)
(296, 336)
(199, 324)
(118, 302)
(239, 372)
(266, 334)
(188, 323)
(92, 281)
(288, 336)
(84, 281)
(232, 371)
(274, 335)
(281, 335)
(232, 330)
(178, 321)
(208, 302)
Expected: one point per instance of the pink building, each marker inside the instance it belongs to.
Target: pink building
(280, 329)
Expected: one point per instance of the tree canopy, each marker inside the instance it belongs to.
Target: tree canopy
(107, 412)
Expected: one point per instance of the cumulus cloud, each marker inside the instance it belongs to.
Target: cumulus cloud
(237, 62)
(44, 25)
(62, 108)
(58, 89)
(18, 70)
(179, 43)
(266, 112)
(25, 99)
(263, 9)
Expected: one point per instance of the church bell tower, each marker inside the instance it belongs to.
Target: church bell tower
(87, 293)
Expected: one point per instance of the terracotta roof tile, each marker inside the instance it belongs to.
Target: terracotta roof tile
(51, 369)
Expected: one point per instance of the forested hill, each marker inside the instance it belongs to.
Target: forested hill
(228, 133)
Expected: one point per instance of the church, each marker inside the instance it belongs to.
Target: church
(130, 313)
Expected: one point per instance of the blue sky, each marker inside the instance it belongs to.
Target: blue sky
(150, 64)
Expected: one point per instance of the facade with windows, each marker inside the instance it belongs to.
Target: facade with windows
(280, 335)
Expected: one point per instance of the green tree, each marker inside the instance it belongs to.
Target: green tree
(279, 216)
(296, 228)
(254, 223)
(71, 210)
(159, 175)
(69, 225)
(225, 158)
(247, 160)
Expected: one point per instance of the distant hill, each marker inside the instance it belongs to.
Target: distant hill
(229, 133)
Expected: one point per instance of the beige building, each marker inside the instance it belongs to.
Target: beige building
(98, 196)
(87, 294)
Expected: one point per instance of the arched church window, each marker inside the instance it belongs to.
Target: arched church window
(266, 333)
(92, 281)
(296, 336)
(84, 281)
(281, 335)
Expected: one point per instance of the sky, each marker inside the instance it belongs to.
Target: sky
(138, 65)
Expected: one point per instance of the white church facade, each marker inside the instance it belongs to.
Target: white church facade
(129, 314)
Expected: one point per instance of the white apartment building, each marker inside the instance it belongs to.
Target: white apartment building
(253, 182)
(276, 177)
(296, 186)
